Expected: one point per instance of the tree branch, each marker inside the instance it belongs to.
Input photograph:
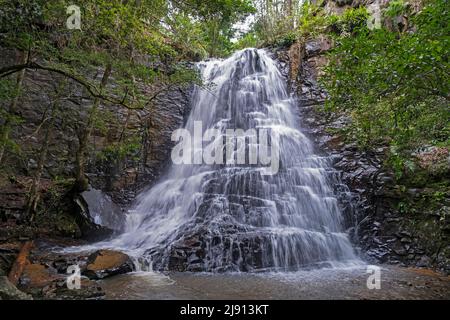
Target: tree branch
(93, 91)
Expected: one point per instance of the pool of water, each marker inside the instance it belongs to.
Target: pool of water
(337, 283)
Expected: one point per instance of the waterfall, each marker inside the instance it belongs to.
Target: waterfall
(233, 217)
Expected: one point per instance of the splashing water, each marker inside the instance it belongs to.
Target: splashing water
(233, 218)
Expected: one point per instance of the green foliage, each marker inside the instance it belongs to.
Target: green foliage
(405, 207)
(118, 152)
(187, 36)
(351, 20)
(216, 18)
(249, 40)
(286, 40)
(394, 85)
(309, 21)
(396, 8)
(399, 163)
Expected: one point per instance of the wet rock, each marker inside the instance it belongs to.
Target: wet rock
(89, 229)
(400, 251)
(378, 253)
(44, 282)
(8, 253)
(37, 276)
(89, 290)
(341, 3)
(424, 262)
(177, 263)
(406, 233)
(61, 262)
(414, 192)
(193, 259)
(196, 267)
(390, 220)
(9, 292)
(106, 263)
(103, 210)
(405, 240)
(317, 46)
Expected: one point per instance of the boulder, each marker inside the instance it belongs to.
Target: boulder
(8, 253)
(38, 276)
(106, 263)
(89, 229)
(44, 282)
(9, 292)
(46, 273)
(89, 290)
(103, 210)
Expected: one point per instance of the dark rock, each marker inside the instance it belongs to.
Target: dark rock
(380, 254)
(317, 46)
(36, 276)
(8, 253)
(341, 3)
(406, 233)
(106, 263)
(423, 262)
(9, 292)
(102, 210)
(89, 229)
(374, 221)
(58, 290)
(400, 251)
(196, 267)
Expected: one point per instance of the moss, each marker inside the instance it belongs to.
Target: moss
(66, 226)
(58, 223)
(54, 214)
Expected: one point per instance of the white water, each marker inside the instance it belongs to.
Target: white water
(232, 218)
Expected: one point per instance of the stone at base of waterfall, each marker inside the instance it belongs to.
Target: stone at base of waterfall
(106, 263)
(44, 282)
(9, 292)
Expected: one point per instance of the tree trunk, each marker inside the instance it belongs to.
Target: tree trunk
(13, 106)
(81, 183)
(34, 195)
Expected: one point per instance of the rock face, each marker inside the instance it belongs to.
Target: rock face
(118, 177)
(374, 217)
(89, 228)
(8, 253)
(103, 210)
(9, 292)
(105, 263)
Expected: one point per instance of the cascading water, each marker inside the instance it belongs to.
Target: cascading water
(232, 217)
